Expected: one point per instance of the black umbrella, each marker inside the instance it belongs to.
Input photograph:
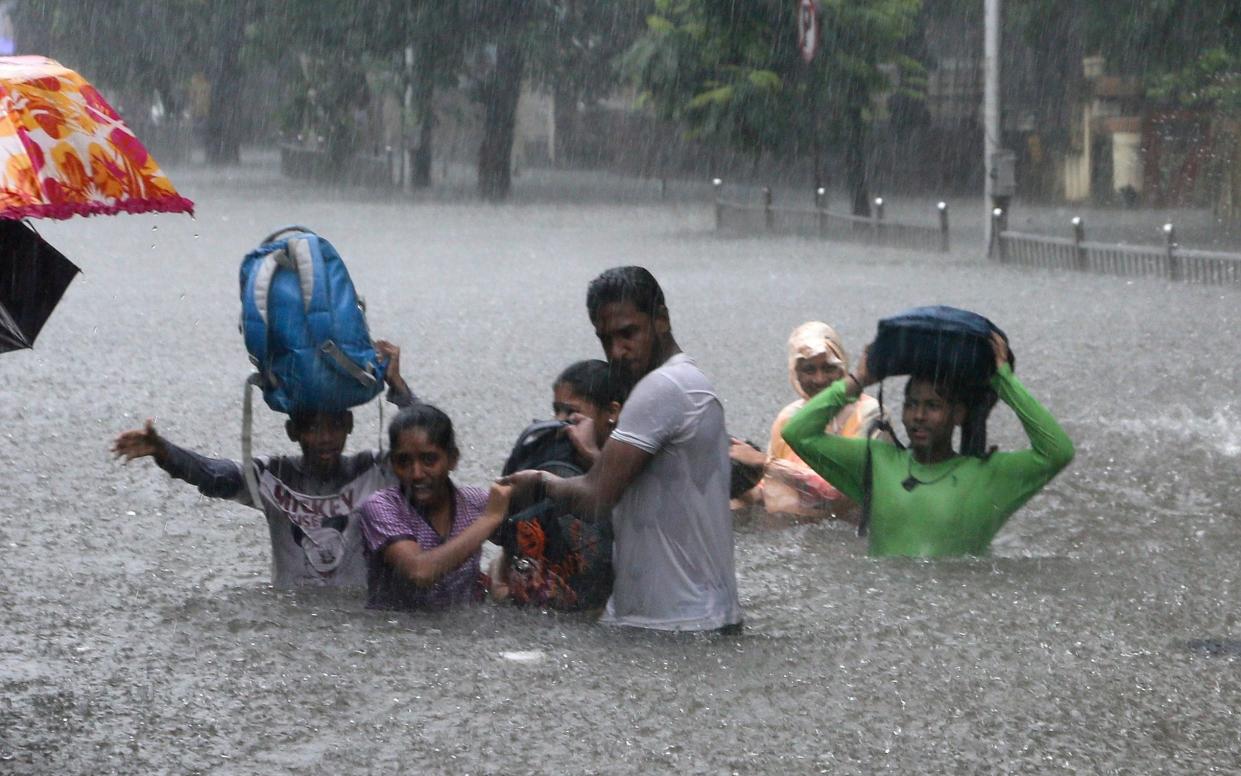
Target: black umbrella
(33, 277)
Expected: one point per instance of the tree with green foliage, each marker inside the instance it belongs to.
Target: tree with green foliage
(732, 73)
(332, 50)
(575, 49)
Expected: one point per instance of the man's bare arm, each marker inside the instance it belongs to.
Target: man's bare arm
(592, 495)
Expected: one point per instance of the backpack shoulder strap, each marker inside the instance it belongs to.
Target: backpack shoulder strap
(868, 468)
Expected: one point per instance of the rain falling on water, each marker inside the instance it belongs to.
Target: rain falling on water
(1099, 635)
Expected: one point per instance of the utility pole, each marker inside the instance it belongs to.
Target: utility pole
(990, 108)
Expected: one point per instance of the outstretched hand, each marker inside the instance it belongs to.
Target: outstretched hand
(1000, 348)
(138, 443)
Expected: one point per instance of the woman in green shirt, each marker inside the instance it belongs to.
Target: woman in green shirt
(929, 500)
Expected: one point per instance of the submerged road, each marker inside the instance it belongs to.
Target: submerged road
(140, 634)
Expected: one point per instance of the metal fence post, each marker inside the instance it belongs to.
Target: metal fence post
(769, 215)
(820, 205)
(996, 249)
(1079, 237)
(1174, 262)
(943, 227)
(717, 186)
(876, 223)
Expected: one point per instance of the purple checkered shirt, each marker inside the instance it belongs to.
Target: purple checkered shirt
(387, 516)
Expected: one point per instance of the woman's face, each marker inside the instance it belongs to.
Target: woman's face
(422, 467)
(566, 403)
(816, 373)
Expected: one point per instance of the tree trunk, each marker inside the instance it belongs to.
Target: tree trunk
(424, 98)
(567, 132)
(500, 93)
(855, 163)
(223, 131)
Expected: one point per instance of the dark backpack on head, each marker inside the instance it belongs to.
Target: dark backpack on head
(938, 342)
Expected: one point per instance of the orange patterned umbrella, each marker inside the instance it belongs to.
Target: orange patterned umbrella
(64, 151)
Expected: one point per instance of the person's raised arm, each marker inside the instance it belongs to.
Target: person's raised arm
(424, 568)
(214, 477)
(1051, 449)
(399, 392)
(839, 460)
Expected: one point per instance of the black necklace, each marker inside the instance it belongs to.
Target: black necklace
(911, 482)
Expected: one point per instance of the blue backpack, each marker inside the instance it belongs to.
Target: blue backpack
(304, 326)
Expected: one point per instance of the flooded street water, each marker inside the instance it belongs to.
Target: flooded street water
(141, 635)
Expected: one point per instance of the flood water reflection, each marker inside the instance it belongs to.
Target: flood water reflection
(141, 635)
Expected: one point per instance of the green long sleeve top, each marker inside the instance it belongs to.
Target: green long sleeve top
(962, 502)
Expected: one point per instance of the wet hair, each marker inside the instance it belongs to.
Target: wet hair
(624, 284)
(978, 401)
(592, 380)
(431, 420)
(302, 420)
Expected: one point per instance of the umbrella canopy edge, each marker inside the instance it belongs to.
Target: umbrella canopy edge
(69, 210)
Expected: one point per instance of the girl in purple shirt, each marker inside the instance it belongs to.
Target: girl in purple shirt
(423, 537)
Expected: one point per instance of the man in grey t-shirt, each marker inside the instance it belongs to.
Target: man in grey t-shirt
(663, 473)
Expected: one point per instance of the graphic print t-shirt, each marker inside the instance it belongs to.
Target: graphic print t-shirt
(312, 520)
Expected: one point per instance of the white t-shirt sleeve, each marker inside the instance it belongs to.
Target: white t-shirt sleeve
(653, 414)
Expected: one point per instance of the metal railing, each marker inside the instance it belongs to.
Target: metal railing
(825, 224)
(1169, 261)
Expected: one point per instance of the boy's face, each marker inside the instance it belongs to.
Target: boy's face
(929, 417)
(322, 438)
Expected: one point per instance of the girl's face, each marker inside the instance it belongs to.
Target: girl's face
(566, 403)
(422, 467)
(816, 373)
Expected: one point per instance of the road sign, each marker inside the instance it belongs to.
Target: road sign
(807, 29)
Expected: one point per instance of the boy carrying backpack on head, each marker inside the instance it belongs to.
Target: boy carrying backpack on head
(308, 499)
(306, 332)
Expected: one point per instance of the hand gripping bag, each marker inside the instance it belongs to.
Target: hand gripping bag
(557, 560)
(304, 326)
